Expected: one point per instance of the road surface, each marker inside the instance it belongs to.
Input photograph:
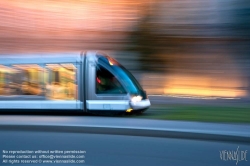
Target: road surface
(114, 150)
(128, 141)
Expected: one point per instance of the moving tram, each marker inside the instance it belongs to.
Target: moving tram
(87, 82)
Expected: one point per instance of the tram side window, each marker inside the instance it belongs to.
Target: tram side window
(21, 80)
(60, 82)
(107, 83)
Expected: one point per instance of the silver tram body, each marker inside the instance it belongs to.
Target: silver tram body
(90, 81)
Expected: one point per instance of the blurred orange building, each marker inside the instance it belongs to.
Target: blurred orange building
(199, 40)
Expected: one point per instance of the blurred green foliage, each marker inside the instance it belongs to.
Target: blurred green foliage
(236, 114)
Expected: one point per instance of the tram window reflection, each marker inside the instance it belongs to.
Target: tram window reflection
(7, 86)
(21, 80)
(60, 82)
(30, 79)
(107, 83)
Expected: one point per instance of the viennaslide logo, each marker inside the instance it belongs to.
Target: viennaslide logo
(233, 155)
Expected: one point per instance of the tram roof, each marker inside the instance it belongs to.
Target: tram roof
(39, 58)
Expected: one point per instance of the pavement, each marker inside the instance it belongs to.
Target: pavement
(128, 126)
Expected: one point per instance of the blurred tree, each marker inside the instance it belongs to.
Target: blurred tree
(239, 24)
(143, 40)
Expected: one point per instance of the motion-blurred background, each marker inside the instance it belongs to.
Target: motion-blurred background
(198, 48)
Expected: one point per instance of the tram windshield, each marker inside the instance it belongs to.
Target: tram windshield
(126, 77)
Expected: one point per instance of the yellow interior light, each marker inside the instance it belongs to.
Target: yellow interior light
(129, 110)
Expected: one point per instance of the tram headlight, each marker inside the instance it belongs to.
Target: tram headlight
(136, 98)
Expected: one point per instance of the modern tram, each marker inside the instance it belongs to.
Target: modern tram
(90, 81)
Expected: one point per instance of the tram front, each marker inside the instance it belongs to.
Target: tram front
(116, 88)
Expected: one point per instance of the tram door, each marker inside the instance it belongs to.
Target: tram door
(105, 91)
